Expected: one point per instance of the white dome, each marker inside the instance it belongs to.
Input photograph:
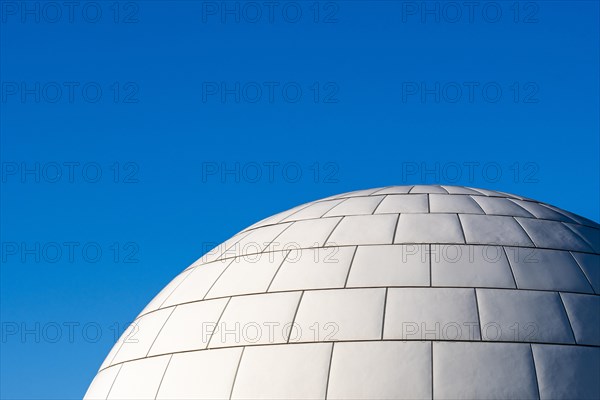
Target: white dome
(391, 293)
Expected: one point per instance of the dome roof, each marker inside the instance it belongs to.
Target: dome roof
(389, 293)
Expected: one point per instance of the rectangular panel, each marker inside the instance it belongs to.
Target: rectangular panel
(200, 375)
(305, 234)
(584, 314)
(216, 252)
(470, 266)
(390, 265)
(483, 371)
(589, 234)
(189, 327)
(553, 235)
(256, 319)
(491, 193)
(364, 229)
(545, 269)
(344, 314)
(138, 338)
(523, 316)
(431, 314)
(539, 211)
(355, 206)
(496, 230)
(247, 275)
(280, 372)
(380, 370)
(441, 203)
(429, 228)
(500, 206)
(315, 210)
(320, 268)
(567, 372)
(197, 284)
(139, 379)
(576, 218)
(256, 241)
(408, 203)
(428, 189)
(590, 264)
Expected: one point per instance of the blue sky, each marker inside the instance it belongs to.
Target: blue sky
(135, 134)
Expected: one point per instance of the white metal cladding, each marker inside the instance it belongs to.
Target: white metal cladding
(401, 292)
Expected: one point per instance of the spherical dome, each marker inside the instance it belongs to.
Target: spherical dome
(389, 293)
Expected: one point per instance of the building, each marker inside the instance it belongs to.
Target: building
(391, 293)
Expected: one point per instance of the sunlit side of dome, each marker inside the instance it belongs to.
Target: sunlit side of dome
(389, 293)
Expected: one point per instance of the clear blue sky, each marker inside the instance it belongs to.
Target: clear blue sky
(162, 97)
